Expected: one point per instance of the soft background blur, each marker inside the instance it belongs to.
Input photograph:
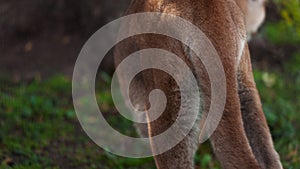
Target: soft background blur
(39, 44)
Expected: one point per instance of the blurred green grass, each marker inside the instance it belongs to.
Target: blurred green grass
(286, 31)
(39, 127)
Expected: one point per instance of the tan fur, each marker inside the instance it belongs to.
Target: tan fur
(242, 140)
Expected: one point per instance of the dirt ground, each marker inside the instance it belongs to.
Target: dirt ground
(41, 38)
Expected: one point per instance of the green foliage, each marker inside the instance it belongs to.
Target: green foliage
(280, 91)
(281, 33)
(287, 30)
(280, 96)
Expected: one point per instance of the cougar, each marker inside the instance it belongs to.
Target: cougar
(242, 139)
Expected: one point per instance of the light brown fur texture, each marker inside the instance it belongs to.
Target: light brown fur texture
(242, 139)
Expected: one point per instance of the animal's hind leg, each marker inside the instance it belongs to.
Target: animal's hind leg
(255, 124)
(181, 156)
(229, 140)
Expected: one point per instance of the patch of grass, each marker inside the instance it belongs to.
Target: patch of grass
(39, 129)
(32, 117)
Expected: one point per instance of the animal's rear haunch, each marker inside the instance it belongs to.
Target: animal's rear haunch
(242, 139)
